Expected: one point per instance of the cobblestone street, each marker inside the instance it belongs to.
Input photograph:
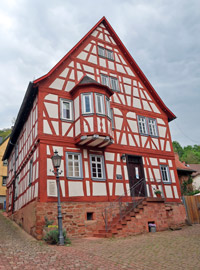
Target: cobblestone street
(154, 251)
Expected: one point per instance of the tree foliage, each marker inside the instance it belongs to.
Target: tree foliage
(5, 132)
(190, 154)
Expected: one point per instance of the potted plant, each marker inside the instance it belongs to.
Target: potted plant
(158, 193)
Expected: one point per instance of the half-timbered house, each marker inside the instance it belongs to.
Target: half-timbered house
(102, 115)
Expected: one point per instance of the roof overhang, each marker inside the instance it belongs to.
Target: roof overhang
(22, 116)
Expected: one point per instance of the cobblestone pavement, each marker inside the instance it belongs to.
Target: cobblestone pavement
(154, 251)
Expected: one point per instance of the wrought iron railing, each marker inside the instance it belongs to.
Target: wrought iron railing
(118, 209)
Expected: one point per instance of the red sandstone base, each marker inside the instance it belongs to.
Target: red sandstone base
(76, 215)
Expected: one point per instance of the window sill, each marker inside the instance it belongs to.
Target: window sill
(167, 183)
(66, 120)
(99, 179)
(87, 114)
(74, 178)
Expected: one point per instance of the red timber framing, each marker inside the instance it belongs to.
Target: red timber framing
(102, 140)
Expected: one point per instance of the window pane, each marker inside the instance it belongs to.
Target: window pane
(152, 127)
(101, 51)
(110, 55)
(114, 83)
(87, 104)
(66, 107)
(74, 167)
(142, 125)
(105, 80)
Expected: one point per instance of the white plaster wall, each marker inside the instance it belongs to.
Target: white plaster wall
(75, 188)
(99, 189)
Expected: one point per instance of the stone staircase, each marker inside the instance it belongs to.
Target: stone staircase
(121, 226)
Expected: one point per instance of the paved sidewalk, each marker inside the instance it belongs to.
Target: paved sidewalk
(169, 250)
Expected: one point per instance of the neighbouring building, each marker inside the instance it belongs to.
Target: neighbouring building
(195, 176)
(184, 173)
(3, 172)
(102, 115)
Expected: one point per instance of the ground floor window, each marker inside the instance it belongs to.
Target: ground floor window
(74, 165)
(165, 174)
(97, 167)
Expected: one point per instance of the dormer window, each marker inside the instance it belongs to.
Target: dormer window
(105, 53)
(66, 109)
(87, 101)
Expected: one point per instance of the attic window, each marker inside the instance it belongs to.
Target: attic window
(105, 53)
(110, 82)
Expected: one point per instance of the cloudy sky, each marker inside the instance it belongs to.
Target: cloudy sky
(162, 36)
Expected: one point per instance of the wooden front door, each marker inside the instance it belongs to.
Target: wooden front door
(136, 174)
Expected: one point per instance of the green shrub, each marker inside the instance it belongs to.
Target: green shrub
(48, 222)
(52, 237)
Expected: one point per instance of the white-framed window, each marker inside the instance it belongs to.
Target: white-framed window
(100, 107)
(105, 80)
(105, 53)
(110, 54)
(4, 180)
(101, 51)
(112, 119)
(87, 103)
(152, 127)
(74, 165)
(142, 125)
(5, 162)
(16, 187)
(114, 84)
(110, 82)
(97, 167)
(31, 171)
(67, 109)
(108, 107)
(165, 174)
(16, 151)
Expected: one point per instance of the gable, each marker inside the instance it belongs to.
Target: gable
(83, 59)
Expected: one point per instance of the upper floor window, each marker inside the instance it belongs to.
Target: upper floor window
(16, 187)
(105, 53)
(5, 162)
(147, 126)
(142, 125)
(110, 82)
(66, 109)
(105, 80)
(4, 179)
(152, 127)
(108, 108)
(87, 103)
(100, 108)
(165, 173)
(112, 118)
(74, 165)
(114, 84)
(97, 167)
(16, 151)
(31, 172)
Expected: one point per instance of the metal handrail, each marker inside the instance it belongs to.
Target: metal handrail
(122, 211)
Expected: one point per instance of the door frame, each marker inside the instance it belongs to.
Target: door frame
(142, 170)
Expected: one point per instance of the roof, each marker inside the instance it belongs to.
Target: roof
(86, 80)
(130, 59)
(21, 118)
(180, 166)
(196, 168)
